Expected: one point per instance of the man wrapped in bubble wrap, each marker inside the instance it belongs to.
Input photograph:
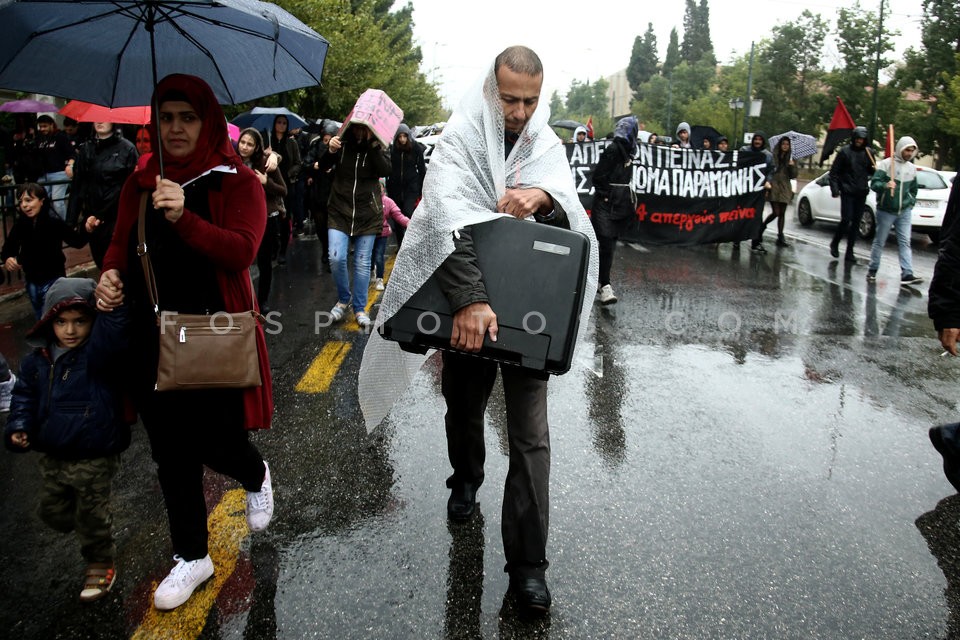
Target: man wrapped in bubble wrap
(497, 156)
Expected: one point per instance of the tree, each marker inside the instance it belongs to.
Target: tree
(789, 76)
(706, 42)
(689, 47)
(586, 99)
(672, 58)
(557, 109)
(643, 60)
(369, 47)
(857, 42)
(696, 45)
(932, 72)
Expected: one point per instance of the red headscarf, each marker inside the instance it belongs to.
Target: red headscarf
(213, 148)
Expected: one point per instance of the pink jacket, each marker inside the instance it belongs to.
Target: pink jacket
(391, 210)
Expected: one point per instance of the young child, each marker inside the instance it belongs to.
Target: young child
(35, 243)
(68, 406)
(390, 212)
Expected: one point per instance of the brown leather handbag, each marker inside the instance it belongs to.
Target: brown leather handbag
(201, 351)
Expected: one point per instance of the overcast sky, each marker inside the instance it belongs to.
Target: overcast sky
(460, 40)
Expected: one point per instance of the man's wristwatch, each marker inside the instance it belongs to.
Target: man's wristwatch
(546, 217)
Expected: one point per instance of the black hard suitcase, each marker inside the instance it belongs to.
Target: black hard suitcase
(535, 276)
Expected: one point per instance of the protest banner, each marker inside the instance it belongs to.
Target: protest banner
(376, 110)
(684, 196)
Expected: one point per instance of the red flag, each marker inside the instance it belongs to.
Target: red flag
(841, 117)
(590, 127)
(841, 125)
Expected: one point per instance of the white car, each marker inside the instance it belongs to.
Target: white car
(814, 203)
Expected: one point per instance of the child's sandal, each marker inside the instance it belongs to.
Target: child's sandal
(99, 578)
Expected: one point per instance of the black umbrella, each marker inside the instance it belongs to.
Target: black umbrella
(567, 124)
(262, 118)
(700, 131)
(112, 52)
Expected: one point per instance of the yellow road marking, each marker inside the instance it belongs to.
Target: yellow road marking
(228, 527)
(320, 374)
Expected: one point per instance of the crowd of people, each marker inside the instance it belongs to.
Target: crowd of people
(204, 209)
(216, 208)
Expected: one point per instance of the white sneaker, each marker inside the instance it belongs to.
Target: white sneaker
(260, 503)
(180, 583)
(379, 285)
(606, 295)
(339, 310)
(362, 319)
(6, 393)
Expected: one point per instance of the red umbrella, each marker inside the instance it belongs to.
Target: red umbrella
(87, 112)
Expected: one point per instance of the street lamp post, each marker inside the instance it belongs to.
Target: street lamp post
(735, 104)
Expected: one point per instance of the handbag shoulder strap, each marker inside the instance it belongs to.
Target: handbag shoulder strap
(147, 265)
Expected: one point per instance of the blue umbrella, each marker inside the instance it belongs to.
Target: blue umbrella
(261, 118)
(112, 52)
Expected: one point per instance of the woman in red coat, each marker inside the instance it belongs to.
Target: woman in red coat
(204, 221)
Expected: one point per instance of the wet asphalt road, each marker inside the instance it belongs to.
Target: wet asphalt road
(740, 451)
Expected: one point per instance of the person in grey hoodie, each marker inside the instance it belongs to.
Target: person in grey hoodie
(682, 136)
(895, 183)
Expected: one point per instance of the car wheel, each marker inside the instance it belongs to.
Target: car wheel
(934, 236)
(868, 224)
(804, 214)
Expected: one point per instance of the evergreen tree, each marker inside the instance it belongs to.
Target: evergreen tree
(706, 43)
(691, 24)
(672, 59)
(696, 44)
(643, 60)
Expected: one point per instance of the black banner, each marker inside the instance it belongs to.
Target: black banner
(684, 196)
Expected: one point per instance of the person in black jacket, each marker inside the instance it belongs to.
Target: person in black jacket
(614, 200)
(68, 405)
(319, 183)
(103, 165)
(944, 309)
(278, 140)
(354, 213)
(850, 181)
(405, 182)
(35, 243)
(758, 144)
(57, 154)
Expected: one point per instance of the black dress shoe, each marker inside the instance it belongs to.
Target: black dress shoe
(835, 248)
(462, 502)
(532, 594)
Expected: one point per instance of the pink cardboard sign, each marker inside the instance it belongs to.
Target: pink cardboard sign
(376, 110)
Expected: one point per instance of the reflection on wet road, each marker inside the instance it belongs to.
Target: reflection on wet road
(739, 451)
